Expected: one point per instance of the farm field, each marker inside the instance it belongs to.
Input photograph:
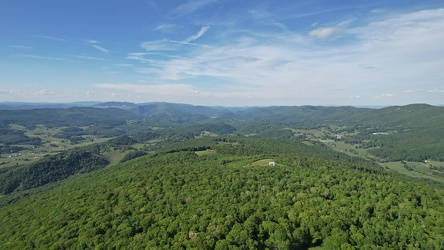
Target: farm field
(420, 170)
(50, 145)
(416, 170)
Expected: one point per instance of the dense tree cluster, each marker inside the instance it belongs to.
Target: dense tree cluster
(15, 137)
(132, 155)
(50, 169)
(64, 117)
(179, 200)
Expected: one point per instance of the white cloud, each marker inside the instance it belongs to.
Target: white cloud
(165, 27)
(6, 92)
(173, 92)
(388, 55)
(196, 36)
(52, 38)
(124, 65)
(188, 43)
(95, 44)
(46, 58)
(157, 45)
(383, 96)
(265, 17)
(436, 91)
(159, 89)
(323, 32)
(139, 56)
(87, 57)
(21, 47)
(44, 93)
(191, 6)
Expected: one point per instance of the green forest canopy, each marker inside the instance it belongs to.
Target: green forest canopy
(177, 200)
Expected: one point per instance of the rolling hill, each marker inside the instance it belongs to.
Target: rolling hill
(198, 177)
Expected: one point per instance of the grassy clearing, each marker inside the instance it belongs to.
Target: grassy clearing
(310, 133)
(434, 164)
(115, 156)
(419, 170)
(17, 127)
(348, 149)
(205, 152)
(206, 134)
(261, 163)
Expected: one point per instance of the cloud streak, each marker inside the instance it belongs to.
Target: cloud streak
(196, 36)
(165, 28)
(322, 32)
(188, 43)
(21, 47)
(191, 6)
(45, 58)
(87, 57)
(159, 89)
(52, 38)
(95, 44)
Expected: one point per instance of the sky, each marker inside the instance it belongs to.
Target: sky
(223, 52)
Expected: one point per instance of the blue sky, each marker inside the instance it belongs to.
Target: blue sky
(223, 52)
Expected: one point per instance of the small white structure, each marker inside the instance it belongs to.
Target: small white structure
(272, 163)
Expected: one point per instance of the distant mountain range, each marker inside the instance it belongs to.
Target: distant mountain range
(395, 116)
(43, 105)
(113, 104)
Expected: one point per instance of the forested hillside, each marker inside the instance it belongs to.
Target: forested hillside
(221, 200)
(412, 133)
(173, 176)
(64, 117)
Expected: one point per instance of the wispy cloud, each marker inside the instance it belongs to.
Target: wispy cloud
(6, 92)
(52, 38)
(161, 89)
(265, 17)
(196, 36)
(21, 47)
(174, 92)
(436, 91)
(45, 58)
(322, 32)
(124, 65)
(87, 57)
(158, 45)
(188, 43)
(137, 56)
(165, 45)
(260, 14)
(96, 44)
(30, 92)
(165, 27)
(383, 96)
(191, 6)
(392, 54)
